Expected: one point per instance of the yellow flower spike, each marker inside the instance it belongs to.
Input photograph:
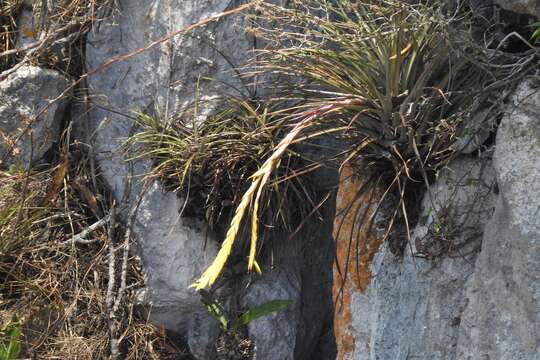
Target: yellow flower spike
(257, 267)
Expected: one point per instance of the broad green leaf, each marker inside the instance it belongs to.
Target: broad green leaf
(261, 310)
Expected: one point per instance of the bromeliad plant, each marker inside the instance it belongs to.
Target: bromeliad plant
(382, 75)
(396, 57)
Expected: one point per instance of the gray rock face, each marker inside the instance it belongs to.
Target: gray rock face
(275, 334)
(502, 317)
(202, 334)
(530, 7)
(474, 133)
(412, 307)
(23, 95)
(174, 255)
(466, 304)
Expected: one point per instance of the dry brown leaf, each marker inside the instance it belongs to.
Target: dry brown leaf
(88, 195)
(58, 179)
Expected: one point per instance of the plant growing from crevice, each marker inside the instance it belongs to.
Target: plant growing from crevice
(211, 162)
(233, 326)
(379, 75)
(393, 81)
(208, 161)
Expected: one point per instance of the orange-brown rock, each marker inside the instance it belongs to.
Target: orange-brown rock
(355, 249)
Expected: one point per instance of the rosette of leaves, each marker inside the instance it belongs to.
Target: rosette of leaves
(415, 88)
(381, 75)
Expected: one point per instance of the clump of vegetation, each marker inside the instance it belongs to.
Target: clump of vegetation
(396, 82)
(54, 38)
(54, 270)
(208, 161)
(231, 154)
(413, 90)
(233, 343)
(379, 75)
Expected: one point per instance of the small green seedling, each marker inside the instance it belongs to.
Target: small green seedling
(217, 311)
(10, 342)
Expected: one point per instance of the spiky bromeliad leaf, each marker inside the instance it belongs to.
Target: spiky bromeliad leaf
(215, 309)
(536, 32)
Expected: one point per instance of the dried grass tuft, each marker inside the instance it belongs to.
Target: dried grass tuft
(55, 285)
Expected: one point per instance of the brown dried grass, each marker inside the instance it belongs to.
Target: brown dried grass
(57, 287)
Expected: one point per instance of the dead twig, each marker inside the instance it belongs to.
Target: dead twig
(113, 302)
(80, 238)
(127, 242)
(110, 288)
